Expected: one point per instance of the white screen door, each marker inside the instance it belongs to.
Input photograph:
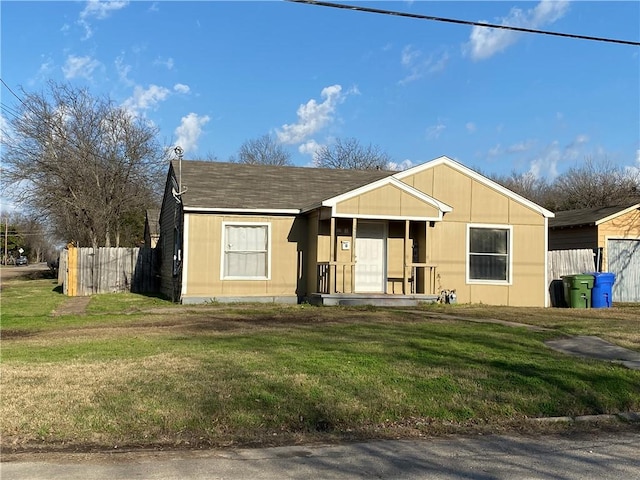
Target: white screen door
(370, 258)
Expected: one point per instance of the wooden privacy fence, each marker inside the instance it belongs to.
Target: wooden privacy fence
(567, 262)
(85, 271)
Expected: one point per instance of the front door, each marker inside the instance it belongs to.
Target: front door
(370, 258)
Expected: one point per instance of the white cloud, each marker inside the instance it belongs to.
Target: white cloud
(404, 165)
(310, 147)
(471, 127)
(574, 149)
(99, 10)
(634, 170)
(5, 129)
(485, 42)
(80, 67)
(123, 71)
(495, 151)
(419, 66)
(189, 131)
(434, 131)
(145, 99)
(45, 71)
(545, 166)
(546, 163)
(313, 116)
(168, 63)
(520, 147)
(181, 88)
(102, 9)
(409, 56)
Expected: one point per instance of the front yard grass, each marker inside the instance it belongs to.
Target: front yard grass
(137, 371)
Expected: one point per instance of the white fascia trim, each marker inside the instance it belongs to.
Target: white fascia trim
(386, 217)
(245, 211)
(444, 160)
(185, 253)
(332, 202)
(618, 214)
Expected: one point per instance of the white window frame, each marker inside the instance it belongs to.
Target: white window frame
(223, 249)
(509, 229)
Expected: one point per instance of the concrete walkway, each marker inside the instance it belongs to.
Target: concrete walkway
(594, 347)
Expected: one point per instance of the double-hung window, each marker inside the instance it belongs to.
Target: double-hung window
(489, 254)
(245, 251)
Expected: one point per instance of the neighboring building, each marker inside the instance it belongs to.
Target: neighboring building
(232, 232)
(613, 233)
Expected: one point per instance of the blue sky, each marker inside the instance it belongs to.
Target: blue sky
(213, 74)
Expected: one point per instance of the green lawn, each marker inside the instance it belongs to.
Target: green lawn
(141, 371)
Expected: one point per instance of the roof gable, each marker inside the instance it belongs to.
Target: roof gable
(390, 180)
(444, 160)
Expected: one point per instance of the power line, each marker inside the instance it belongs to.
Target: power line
(461, 22)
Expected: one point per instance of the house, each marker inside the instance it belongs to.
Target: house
(231, 232)
(613, 233)
(151, 228)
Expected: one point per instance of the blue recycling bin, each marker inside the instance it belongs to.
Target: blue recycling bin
(601, 293)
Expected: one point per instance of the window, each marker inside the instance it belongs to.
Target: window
(489, 254)
(177, 251)
(246, 251)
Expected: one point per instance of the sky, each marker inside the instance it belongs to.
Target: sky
(213, 74)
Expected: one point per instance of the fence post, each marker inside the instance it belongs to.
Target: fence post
(72, 272)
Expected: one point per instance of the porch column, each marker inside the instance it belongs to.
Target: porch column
(407, 264)
(332, 257)
(354, 229)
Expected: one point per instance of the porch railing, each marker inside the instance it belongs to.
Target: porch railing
(328, 277)
(427, 272)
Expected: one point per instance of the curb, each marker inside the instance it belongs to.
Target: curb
(627, 417)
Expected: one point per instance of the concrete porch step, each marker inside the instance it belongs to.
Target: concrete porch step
(375, 299)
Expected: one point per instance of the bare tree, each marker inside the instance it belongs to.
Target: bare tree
(81, 162)
(526, 184)
(349, 153)
(264, 150)
(594, 184)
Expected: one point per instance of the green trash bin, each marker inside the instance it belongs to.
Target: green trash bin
(577, 290)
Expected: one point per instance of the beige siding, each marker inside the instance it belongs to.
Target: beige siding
(488, 205)
(529, 265)
(474, 202)
(203, 261)
(387, 201)
(522, 215)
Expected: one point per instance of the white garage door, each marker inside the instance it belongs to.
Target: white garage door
(624, 260)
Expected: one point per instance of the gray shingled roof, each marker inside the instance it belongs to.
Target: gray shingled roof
(235, 185)
(584, 216)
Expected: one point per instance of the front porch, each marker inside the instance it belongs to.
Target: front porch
(375, 299)
(373, 259)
